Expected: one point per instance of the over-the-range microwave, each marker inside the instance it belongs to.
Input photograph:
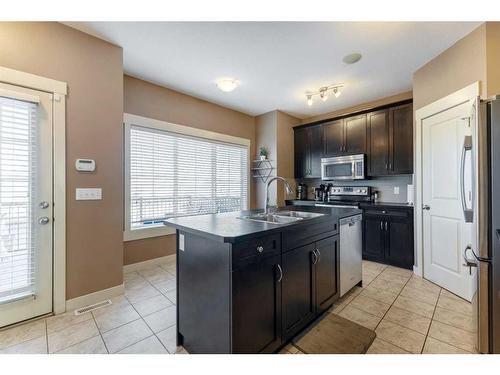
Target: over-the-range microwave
(349, 167)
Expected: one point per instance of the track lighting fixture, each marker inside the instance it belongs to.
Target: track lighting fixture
(323, 93)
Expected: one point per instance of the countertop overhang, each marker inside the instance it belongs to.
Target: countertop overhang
(228, 227)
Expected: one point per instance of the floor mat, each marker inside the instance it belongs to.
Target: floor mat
(333, 334)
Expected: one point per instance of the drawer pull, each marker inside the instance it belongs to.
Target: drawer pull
(281, 273)
(260, 249)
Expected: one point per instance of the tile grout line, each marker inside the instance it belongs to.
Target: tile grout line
(432, 319)
(100, 333)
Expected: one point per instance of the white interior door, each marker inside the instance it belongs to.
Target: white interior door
(446, 175)
(25, 204)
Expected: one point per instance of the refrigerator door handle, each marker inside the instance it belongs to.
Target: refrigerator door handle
(468, 212)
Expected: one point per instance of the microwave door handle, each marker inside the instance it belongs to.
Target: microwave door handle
(467, 146)
(353, 170)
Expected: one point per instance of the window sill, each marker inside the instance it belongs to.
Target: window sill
(140, 234)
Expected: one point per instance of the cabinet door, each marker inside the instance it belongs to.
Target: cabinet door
(326, 272)
(378, 140)
(257, 307)
(315, 151)
(401, 139)
(373, 238)
(297, 290)
(355, 135)
(399, 243)
(333, 133)
(301, 152)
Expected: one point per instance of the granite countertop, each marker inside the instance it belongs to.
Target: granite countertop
(362, 204)
(227, 227)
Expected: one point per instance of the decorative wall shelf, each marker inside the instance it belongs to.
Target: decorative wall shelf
(262, 169)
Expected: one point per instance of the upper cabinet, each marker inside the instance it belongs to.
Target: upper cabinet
(345, 136)
(390, 141)
(308, 152)
(385, 136)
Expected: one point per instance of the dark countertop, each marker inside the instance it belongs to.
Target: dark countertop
(227, 227)
(362, 204)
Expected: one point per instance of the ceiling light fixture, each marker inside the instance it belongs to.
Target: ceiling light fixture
(323, 93)
(227, 84)
(352, 58)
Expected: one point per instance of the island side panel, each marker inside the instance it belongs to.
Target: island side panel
(203, 294)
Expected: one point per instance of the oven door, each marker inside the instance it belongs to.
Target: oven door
(340, 170)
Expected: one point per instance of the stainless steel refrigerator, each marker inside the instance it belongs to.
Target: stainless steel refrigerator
(485, 252)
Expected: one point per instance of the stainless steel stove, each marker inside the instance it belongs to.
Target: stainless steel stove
(347, 196)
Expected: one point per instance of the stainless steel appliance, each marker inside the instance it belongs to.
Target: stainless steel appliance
(346, 196)
(484, 252)
(350, 253)
(302, 192)
(320, 193)
(350, 167)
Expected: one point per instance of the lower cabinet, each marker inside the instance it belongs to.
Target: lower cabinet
(388, 236)
(310, 283)
(257, 306)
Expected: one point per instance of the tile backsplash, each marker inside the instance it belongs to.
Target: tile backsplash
(384, 185)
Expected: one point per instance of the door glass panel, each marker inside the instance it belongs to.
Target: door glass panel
(18, 165)
(338, 170)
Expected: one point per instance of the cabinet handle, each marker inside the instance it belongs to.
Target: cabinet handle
(381, 225)
(260, 249)
(315, 257)
(281, 273)
(319, 255)
(386, 166)
(390, 165)
(386, 226)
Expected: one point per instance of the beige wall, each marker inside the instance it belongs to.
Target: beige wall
(493, 58)
(146, 99)
(285, 153)
(266, 136)
(93, 71)
(458, 66)
(361, 107)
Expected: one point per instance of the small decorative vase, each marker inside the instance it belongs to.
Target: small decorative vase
(262, 157)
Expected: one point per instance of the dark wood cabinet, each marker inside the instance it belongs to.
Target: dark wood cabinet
(310, 283)
(378, 148)
(355, 135)
(333, 133)
(326, 272)
(298, 289)
(390, 148)
(401, 139)
(345, 136)
(308, 143)
(388, 236)
(257, 306)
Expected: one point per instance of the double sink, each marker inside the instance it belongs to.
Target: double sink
(281, 217)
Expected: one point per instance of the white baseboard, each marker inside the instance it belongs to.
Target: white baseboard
(149, 263)
(91, 298)
(418, 271)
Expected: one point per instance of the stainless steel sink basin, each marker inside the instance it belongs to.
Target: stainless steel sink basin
(281, 217)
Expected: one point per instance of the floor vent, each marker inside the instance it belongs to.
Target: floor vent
(93, 307)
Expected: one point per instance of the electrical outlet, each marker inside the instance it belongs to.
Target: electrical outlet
(86, 194)
(396, 190)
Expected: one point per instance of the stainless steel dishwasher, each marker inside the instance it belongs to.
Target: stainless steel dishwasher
(350, 253)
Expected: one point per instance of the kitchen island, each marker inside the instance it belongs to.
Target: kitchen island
(247, 286)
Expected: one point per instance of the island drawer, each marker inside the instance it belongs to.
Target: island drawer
(263, 246)
(403, 213)
(293, 238)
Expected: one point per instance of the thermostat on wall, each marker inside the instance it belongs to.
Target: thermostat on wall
(85, 165)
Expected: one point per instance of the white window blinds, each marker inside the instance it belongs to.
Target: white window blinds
(178, 175)
(18, 163)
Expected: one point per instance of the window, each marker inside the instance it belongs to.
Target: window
(172, 173)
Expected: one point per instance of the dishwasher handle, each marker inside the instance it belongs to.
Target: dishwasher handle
(351, 220)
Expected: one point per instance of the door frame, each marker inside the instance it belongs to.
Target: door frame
(467, 94)
(59, 91)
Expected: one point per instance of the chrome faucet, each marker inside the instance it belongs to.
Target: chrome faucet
(287, 186)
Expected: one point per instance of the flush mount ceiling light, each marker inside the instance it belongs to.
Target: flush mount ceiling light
(352, 58)
(227, 84)
(323, 92)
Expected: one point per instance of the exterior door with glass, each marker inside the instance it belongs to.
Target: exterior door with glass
(26, 204)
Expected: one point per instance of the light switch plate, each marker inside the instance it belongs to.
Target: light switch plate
(88, 194)
(396, 190)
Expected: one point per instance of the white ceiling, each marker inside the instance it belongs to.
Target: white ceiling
(277, 62)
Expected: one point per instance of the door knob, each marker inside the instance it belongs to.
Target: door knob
(44, 205)
(43, 220)
(426, 207)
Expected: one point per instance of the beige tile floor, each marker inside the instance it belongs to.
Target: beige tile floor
(409, 315)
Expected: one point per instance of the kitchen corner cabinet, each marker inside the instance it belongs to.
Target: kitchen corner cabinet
(308, 143)
(345, 136)
(390, 150)
(388, 236)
